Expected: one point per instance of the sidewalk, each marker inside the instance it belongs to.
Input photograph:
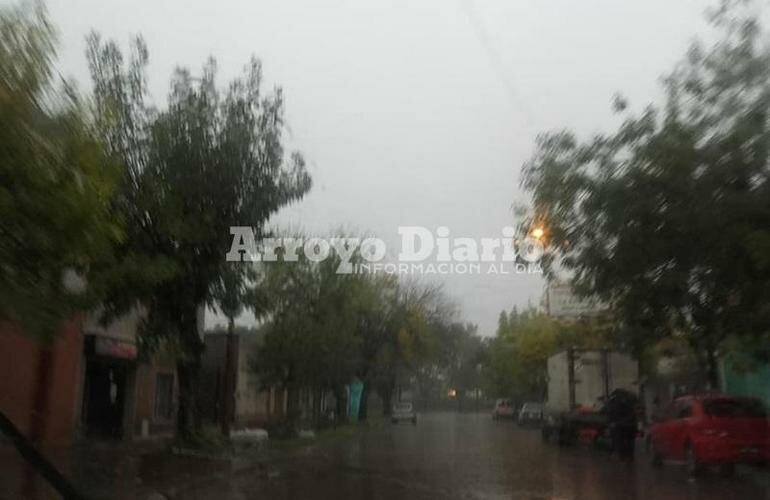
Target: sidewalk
(151, 470)
(136, 470)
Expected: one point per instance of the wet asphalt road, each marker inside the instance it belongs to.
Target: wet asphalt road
(469, 456)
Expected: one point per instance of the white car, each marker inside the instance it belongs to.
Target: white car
(403, 411)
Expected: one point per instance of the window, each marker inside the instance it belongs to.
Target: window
(164, 392)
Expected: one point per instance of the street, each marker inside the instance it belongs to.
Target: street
(467, 456)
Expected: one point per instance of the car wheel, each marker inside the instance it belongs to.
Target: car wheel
(727, 470)
(694, 467)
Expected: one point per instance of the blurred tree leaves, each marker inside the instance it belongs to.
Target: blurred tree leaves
(56, 183)
(667, 218)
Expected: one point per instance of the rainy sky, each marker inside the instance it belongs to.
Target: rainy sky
(413, 112)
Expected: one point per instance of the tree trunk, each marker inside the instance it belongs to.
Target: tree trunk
(188, 373)
(387, 398)
(292, 404)
(363, 409)
(230, 379)
(317, 407)
(341, 404)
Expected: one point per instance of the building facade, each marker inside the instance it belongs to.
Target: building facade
(39, 392)
(89, 382)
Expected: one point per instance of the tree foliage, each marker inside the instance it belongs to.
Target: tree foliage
(56, 183)
(324, 329)
(517, 355)
(209, 160)
(668, 217)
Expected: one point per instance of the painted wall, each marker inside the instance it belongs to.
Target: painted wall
(54, 420)
(746, 379)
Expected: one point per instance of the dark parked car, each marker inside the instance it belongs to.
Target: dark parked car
(531, 414)
(711, 430)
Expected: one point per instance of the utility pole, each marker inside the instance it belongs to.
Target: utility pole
(229, 390)
(571, 376)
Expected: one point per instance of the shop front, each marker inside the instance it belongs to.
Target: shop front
(108, 387)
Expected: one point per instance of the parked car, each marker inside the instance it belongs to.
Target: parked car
(531, 413)
(710, 430)
(403, 411)
(503, 409)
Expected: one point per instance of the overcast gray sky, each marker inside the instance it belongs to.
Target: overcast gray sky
(413, 112)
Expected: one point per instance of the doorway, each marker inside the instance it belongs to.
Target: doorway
(105, 398)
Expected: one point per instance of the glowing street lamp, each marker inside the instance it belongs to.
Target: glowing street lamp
(538, 233)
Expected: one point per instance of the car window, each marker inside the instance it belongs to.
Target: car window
(734, 408)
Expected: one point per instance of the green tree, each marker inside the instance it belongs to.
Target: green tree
(466, 357)
(310, 339)
(518, 354)
(210, 160)
(56, 184)
(326, 328)
(667, 219)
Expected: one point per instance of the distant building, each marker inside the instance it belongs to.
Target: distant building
(561, 301)
(254, 405)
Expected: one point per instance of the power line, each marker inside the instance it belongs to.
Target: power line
(495, 61)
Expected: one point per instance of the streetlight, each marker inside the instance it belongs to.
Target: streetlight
(538, 233)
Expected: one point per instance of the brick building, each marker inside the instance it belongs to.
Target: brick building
(89, 382)
(38, 384)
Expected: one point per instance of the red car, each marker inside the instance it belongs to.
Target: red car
(711, 430)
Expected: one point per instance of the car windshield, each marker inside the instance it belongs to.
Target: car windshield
(734, 408)
(436, 243)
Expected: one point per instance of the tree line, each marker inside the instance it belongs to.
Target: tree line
(667, 218)
(111, 201)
